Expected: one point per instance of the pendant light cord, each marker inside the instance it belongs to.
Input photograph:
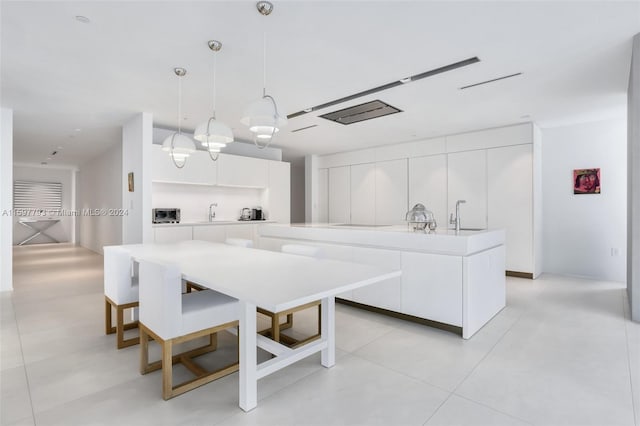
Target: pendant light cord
(214, 85)
(264, 64)
(179, 104)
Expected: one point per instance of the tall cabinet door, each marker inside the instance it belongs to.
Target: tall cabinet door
(322, 208)
(339, 195)
(279, 208)
(363, 194)
(428, 185)
(510, 194)
(391, 192)
(467, 180)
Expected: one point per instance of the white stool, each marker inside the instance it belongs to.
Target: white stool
(120, 292)
(276, 327)
(240, 242)
(170, 318)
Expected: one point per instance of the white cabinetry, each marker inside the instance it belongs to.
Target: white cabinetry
(323, 196)
(510, 195)
(279, 195)
(432, 287)
(235, 170)
(428, 185)
(385, 294)
(173, 234)
(213, 233)
(363, 194)
(198, 169)
(246, 232)
(339, 195)
(391, 192)
(467, 180)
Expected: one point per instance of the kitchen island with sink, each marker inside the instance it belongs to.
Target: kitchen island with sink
(452, 280)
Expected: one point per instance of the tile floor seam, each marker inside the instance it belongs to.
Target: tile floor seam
(495, 409)
(636, 420)
(24, 365)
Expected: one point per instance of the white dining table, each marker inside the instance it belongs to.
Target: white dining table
(274, 281)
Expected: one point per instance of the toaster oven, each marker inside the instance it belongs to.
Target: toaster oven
(166, 215)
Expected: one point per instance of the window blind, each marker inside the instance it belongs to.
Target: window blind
(30, 195)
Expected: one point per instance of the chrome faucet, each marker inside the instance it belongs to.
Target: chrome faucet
(456, 221)
(212, 214)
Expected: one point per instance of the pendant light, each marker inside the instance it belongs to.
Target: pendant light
(178, 145)
(213, 134)
(262, 116)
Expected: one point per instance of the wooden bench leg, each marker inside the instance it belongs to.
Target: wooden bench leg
(167, 369)
(121, 327)
(109, 328)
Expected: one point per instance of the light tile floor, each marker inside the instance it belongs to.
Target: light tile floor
(563, 352)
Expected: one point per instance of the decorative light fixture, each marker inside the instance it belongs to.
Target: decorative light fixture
(178, 145)
(213, 134)
(262, 116)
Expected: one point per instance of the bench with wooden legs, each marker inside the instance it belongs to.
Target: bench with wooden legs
(274, 332)
(121, 293)
(170, 318)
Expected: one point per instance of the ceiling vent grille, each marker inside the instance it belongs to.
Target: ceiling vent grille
(362, 112)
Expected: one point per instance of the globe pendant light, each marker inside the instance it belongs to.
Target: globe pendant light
(213, 134)
(178, 145)
(262, 116)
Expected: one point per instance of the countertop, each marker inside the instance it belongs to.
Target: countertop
(399, 237)
(215, 222)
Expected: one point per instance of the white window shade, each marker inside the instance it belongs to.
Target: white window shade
(28, 195)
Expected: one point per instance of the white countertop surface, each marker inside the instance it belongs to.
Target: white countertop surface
(399, 237)
(215, 222)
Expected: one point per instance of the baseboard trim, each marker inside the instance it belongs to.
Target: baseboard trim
(435, 324)
(519, 274)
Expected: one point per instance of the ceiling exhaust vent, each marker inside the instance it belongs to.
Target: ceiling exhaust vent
(362, 112)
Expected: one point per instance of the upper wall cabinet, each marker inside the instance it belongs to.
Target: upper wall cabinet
(235, 170)
(391, 192)
(428, 185)
(199, 169)
(339, 195)
(279, 199)
(363, 194)
(467, 180)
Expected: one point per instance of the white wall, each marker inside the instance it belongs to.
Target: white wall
(633, 183)
(62, 231)
(194, 200)
(581, 231)
(6, 199)
(297, 192)
(100, 187)
(137, 138)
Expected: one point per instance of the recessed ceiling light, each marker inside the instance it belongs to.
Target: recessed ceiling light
(48, 158)
(59, 147)
(405, 80)
(83, 19)
(78, 130)
(308, 109)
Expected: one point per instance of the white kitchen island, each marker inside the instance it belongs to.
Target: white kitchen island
(455, 281)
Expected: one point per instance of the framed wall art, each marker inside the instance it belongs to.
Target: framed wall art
(586, 181)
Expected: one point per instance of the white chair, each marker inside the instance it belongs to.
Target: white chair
(239, 242)
(120, 293)
(170, 317)
(276, 326)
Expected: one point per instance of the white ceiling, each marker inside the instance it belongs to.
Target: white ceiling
(59, 74)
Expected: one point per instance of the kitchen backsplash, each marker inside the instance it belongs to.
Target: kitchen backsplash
(194, 200)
